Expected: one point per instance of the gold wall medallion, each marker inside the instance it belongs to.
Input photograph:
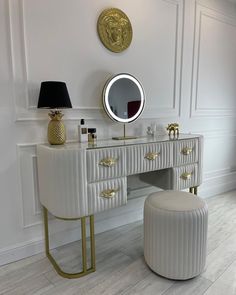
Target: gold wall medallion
(114, 29)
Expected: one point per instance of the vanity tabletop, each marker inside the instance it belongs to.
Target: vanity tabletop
(106, 143)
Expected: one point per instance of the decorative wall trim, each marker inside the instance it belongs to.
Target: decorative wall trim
(18, 56)
(210, 6)
(21, 250)
(19, 63)
(74, 114)
(26, 112)
(36, 202)
(221, 134)
(173, 111)
(217, 182)
(200, 12)
(227, 172)
(28, 183)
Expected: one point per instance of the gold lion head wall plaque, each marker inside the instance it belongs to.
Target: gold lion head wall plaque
(114, 29)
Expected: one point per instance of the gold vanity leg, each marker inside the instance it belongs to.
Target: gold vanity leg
(193, 190)
(85, 270)
(92, 242)
(84, 253)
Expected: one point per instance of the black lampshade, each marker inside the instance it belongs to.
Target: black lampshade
(54, 95)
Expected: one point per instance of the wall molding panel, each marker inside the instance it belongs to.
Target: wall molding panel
(220, 134)
(196, 110)
(217, 182)
(21, 250)
(174, 110)
(27, 163)
(26, 111)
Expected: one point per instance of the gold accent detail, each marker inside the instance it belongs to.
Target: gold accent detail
(85, 270)
(186, 175)
(173, 128)
(56, 128)
(186, 151)
(114, 29)
(109, 193)
(152, 156)
(108, 162)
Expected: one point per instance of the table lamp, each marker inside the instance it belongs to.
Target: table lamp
(54, 95)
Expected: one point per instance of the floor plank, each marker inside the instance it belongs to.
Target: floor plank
(151, 285)
(193, 286)
(226, 284)
(20, 276)
(220, 259)
(32, 285)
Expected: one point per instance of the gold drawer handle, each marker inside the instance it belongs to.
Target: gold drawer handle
(108, 162)
(186, 175)
(186, 151)
(109, 193)
(152, 156)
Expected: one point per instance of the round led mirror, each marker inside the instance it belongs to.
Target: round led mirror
(123, 98)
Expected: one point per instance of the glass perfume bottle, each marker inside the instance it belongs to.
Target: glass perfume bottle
(82, 131)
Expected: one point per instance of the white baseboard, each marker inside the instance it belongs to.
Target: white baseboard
(20, 251)
(218, 182)
(214, 183)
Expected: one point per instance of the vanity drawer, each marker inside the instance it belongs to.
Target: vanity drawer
(185, 177)
(149, 157)
(107, 195)
(185, 151)
(105, 163)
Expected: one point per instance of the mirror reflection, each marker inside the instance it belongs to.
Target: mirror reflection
(123, 98)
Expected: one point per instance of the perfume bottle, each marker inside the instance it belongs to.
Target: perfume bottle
(92, 137)
(150, 131)
(82, 131)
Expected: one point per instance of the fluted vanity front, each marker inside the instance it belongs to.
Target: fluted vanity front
(78, 180)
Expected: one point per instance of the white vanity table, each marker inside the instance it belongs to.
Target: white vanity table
(78, 180)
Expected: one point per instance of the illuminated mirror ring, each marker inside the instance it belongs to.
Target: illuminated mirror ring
(123, 98)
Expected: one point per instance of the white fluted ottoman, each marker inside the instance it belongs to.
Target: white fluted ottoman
(175, 234)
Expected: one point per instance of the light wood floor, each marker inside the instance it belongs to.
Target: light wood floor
(121, 268)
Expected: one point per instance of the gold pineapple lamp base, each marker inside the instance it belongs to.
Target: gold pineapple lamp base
(56, 128)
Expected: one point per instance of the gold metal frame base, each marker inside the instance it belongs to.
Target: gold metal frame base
(193, 190)
(85, 270)
(124, 137)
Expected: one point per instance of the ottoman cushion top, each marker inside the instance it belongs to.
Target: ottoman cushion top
(175, 201)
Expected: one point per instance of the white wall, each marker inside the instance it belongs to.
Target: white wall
(182, 51)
